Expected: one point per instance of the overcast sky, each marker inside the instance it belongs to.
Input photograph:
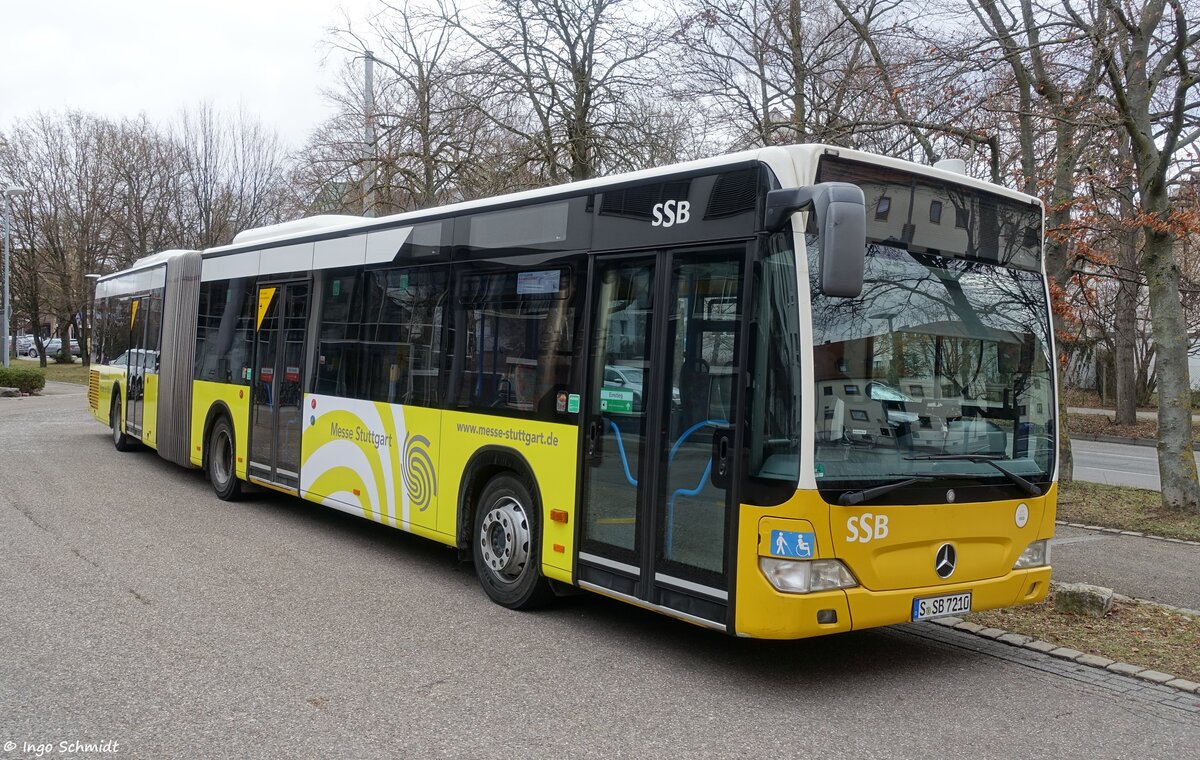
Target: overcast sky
(124, 57)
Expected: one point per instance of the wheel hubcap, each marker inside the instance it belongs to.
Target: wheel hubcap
(504, 539)
(222, 458)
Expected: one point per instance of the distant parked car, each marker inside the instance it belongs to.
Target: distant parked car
(138, 357)
(53, 346)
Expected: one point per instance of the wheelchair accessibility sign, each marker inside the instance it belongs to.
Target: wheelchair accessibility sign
(792, 544)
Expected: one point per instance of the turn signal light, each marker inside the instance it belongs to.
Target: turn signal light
(558, 515)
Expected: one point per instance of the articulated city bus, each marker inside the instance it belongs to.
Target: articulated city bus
(781, 393)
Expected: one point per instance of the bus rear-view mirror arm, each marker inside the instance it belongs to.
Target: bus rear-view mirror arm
(841, 217)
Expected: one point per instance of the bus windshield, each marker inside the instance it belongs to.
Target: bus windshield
(940, 366)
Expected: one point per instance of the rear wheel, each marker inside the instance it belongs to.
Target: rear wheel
(221, 472)
(506, 544)
(121, 441)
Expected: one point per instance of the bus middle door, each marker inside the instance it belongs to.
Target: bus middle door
(276, 409)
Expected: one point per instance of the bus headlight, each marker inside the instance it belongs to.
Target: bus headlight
(1036, 554)
(806, 576)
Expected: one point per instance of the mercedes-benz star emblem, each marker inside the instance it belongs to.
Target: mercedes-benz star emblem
(947, 558)
(950, 496)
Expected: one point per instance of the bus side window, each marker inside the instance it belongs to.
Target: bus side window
(338, 351)
(402, 335)
(516, 340)
(225, 331)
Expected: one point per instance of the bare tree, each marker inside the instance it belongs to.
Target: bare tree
(430, 128)
(66, 214)
(148, 166)
(232, 176)
(1149, 54)
(555, 74)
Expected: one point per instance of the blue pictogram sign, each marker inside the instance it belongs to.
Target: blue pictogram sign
(793, 544)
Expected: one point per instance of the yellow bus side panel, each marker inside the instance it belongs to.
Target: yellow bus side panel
(237, 398)
(376, 460)
(552, 453)
(893, 568)
(150, 410)
(107, 378)
(403, 466)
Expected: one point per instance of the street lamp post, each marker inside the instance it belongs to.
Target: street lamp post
(9, 192)
(369, 111)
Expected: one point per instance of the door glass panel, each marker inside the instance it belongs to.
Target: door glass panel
(616, 429)
(702, 338)
(290, 374)
(135, 386)
(262, 414)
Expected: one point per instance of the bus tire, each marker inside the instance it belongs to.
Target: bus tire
(120, 441)
(506, 545)
(220, 461)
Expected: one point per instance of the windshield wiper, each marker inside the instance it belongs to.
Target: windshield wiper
(850, 498)
(989, 459)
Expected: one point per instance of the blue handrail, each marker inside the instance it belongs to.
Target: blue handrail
(670, 458)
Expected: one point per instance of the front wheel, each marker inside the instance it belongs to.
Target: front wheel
(506, 544)
(120, 441)
(221, 472)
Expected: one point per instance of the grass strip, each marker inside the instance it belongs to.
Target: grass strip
(1100, 424)
(63, 373)
(1124, 508)
(1140, 634)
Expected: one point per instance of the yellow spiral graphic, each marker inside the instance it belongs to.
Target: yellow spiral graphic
(420, 479)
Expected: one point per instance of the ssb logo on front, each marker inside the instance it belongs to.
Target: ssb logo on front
(670, 213)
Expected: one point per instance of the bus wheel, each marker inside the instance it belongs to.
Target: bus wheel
(121, 441)
(221, 471)
(507, 545)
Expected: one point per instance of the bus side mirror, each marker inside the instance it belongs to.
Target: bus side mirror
(841, 216)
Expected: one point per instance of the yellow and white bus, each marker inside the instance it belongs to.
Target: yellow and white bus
(781, 393)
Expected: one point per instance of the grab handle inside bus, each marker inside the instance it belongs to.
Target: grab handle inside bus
(841, 217)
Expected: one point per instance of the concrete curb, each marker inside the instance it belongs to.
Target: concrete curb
(1119, 532)
(1074, 655)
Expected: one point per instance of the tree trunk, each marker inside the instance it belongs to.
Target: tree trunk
(1176, 462)
(1066, 458)
(64, 346)
(1125, 337)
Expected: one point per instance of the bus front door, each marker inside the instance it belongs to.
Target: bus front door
(276, 409)
(658, 440)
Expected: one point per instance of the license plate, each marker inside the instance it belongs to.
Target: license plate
(940, 606)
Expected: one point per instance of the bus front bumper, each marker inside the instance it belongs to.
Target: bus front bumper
(776, 615)
(870, 609)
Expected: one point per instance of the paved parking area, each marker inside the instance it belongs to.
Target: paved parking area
(137, 608)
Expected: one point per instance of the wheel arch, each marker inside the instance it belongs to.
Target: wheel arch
(217, 410)
(485, 464)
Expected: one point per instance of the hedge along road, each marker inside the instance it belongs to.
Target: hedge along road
(137, 608)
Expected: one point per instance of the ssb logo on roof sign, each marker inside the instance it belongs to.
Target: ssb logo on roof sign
(670, 213)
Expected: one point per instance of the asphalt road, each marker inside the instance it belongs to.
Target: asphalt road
(1117, 464)
(137, 608)
(1144, 568)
